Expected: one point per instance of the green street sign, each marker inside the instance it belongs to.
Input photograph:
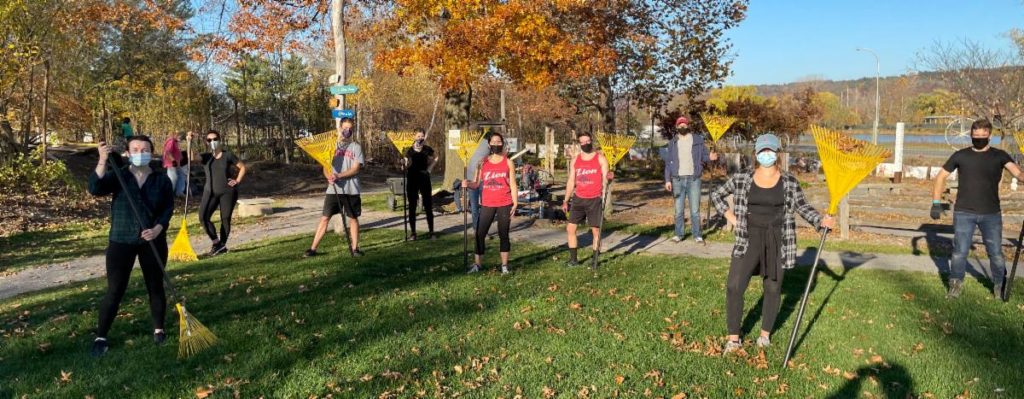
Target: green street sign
(343, 90)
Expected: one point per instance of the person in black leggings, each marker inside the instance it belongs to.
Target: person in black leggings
(419, 160)
(220, 190)
(153, 195)
(766, 202)
(496, 179)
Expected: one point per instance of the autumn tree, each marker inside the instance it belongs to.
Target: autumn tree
(662, 48)
(990, 81)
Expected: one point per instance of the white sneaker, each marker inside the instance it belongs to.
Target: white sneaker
(699, 240)
(473, 269)
(732, 346)
(504, 269)
(763, 342)
(677, 239)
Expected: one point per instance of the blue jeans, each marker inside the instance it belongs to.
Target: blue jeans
(684, 187)
(474, 204)
(991, 227)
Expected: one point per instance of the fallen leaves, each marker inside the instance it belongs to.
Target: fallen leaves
(619, 379)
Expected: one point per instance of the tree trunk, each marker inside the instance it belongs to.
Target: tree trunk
(26, 121)
(607, 105)
(46, 105)
(456, 116)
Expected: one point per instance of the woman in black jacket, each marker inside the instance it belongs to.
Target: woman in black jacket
(153, 194)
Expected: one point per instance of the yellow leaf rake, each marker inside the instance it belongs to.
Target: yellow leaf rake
(402, 141)
(614, 147)
(846, 161)
(468, 141)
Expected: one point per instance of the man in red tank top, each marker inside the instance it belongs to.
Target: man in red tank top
(585, 187)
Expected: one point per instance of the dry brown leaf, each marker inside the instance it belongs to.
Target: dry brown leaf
(204, 392)
(681, 395)
(619, 379)
(548, 392)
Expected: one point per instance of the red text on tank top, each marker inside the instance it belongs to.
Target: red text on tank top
(496, 190)
(588, 177)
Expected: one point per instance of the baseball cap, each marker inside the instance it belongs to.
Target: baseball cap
(681, 120)
(769, 141)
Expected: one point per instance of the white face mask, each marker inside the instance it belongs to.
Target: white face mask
(214, 145)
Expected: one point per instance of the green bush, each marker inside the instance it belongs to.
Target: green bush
(27, 174)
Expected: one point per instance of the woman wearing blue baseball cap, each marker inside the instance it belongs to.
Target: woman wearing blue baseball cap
(766, 201)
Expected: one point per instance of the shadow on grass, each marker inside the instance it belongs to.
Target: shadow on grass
(893, 379)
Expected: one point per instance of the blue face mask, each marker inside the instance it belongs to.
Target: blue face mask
(141, 158)
(767, 158)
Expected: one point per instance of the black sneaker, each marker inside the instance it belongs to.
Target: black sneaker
(572, 263)
(412, 237)
(309, 253)
(955, 285)
(99, 347)
(217, 249)
(159, 337)
(356, 253)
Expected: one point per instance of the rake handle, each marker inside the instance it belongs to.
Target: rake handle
(465, 222)
(137, 216)
(803, 300)
(1008, 283)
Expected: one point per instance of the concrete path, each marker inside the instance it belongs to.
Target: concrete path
(300, 216)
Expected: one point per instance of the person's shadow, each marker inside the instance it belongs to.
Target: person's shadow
(940, 250)
(793, 289)
(894, 380)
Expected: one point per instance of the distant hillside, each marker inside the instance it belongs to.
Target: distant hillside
(917, 83)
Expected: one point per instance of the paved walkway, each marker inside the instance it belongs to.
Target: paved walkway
(300, 215)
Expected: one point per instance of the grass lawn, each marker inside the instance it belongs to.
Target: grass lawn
(405, 321)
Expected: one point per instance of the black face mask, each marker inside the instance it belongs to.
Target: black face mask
(420, 142)
(497, 149)
(587, 148)
(979, 143)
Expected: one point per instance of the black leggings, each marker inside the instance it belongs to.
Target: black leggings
(210, 203)
(417, 187)
(120, 261)
(740, 272)
(487, 215)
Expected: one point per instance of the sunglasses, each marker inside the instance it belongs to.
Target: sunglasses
(209, 140)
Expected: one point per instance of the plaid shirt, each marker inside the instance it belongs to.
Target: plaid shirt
(739, 186)
(156, 203)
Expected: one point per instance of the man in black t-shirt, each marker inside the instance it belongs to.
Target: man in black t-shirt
(419, 162)
(980, 169)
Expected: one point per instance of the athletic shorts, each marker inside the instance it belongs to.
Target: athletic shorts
(585, 209)
(352, 204)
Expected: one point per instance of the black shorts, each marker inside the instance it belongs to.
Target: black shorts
(585, 209)
(352, 204)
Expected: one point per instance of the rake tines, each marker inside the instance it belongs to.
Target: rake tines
(193, 336)
(402, 140)
(467, 144)
(614, 146)
(181, 249)
(846, 161)
(717, 125)
(320, 147)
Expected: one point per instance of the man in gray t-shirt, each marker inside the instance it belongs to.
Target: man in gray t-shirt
(482, 151)
(342, 189)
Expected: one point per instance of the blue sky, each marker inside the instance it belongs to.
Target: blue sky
(784, 40)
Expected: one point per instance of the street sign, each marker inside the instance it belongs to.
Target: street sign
(343, 113)
(343, 90)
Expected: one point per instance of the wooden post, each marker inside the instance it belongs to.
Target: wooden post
(844, 218)
(549, 142)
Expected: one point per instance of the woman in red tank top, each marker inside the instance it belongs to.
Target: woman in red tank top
(585, 187)
(499, 199)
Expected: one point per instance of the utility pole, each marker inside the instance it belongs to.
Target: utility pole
(338, 28)
(878, 73)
